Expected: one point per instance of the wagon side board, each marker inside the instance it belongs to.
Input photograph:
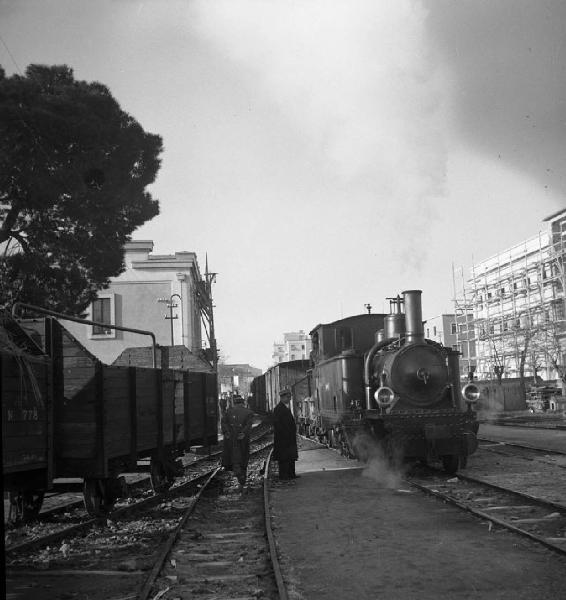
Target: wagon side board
(26, 407)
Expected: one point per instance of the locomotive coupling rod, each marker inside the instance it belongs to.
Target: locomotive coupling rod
(367, 365)
(52, 313)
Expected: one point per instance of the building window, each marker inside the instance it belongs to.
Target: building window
(453, 328)
(102, 311)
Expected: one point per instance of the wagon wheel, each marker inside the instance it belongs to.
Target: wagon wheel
(160, 480)
(25, 505)
(98, 497)
(450, 463)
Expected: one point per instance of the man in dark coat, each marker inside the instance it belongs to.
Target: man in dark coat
(285, 437)
(236, 427)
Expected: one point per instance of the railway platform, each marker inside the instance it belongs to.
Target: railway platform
(355, 531)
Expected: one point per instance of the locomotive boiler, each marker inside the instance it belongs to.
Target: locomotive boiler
(378, 374)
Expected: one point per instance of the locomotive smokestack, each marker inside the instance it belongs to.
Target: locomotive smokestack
(413, 316)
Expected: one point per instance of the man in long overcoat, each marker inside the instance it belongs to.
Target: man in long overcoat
(236, 427)
(285, 437)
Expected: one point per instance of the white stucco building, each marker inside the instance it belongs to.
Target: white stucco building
(296, 345)
(165, 294)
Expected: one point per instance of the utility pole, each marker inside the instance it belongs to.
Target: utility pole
(171, 306)
(203, 293)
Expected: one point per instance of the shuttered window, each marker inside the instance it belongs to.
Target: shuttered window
(102, 313)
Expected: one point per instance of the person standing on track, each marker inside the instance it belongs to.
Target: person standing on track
(285, 437)
(236, 427)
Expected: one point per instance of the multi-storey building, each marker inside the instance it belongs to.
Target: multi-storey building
(511, 310)
(164, 294)
(236, 379)
(441, 329)
(451, 330)
(296, 345)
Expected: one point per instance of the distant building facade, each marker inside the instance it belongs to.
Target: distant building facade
(455, 332)
(236, 379)
(512, 307)
(296, 345)
(164, 294)
(442, 329)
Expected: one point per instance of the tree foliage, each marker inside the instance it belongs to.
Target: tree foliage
(74, 168)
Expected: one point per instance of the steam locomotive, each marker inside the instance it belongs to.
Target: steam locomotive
(376, 376)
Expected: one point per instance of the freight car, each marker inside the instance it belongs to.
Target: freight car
(92, 421)
(258, 400)
(377, 375)
(283, 375)
(265, 388)
(27, 417)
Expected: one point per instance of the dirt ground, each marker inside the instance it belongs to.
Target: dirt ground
(360, 533)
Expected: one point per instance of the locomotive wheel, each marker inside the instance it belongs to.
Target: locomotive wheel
(450, 463)
(98, 497)
(25, 506)
(160, 480)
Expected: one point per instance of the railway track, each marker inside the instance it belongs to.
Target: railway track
(224, 548)
(533, 517)
(137, 484)
(525, 451)
(70, 519)
(113, 558)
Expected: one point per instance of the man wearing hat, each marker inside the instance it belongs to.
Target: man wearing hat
(236, 427)
(285, 436)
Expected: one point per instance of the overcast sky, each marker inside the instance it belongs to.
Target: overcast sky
(326, 154)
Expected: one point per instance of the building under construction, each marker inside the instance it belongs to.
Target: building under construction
(510, 310)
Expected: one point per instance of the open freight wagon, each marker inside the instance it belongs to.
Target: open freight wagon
(27, 418)
(108, 419)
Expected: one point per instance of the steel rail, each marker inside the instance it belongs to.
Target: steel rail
(147, 586)
(281, 588)
(118, 512)
(483, 515)
(121, 511)
(171, 539)
(522, 495)
(523, 446)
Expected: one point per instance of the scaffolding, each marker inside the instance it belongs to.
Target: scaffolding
(510, 310)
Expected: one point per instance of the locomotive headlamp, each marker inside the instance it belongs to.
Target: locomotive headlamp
(384, 396)
(471, 393)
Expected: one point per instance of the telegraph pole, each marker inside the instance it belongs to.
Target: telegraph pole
(171, 306)
(204, 298)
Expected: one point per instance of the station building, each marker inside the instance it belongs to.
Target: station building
(165, 294)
